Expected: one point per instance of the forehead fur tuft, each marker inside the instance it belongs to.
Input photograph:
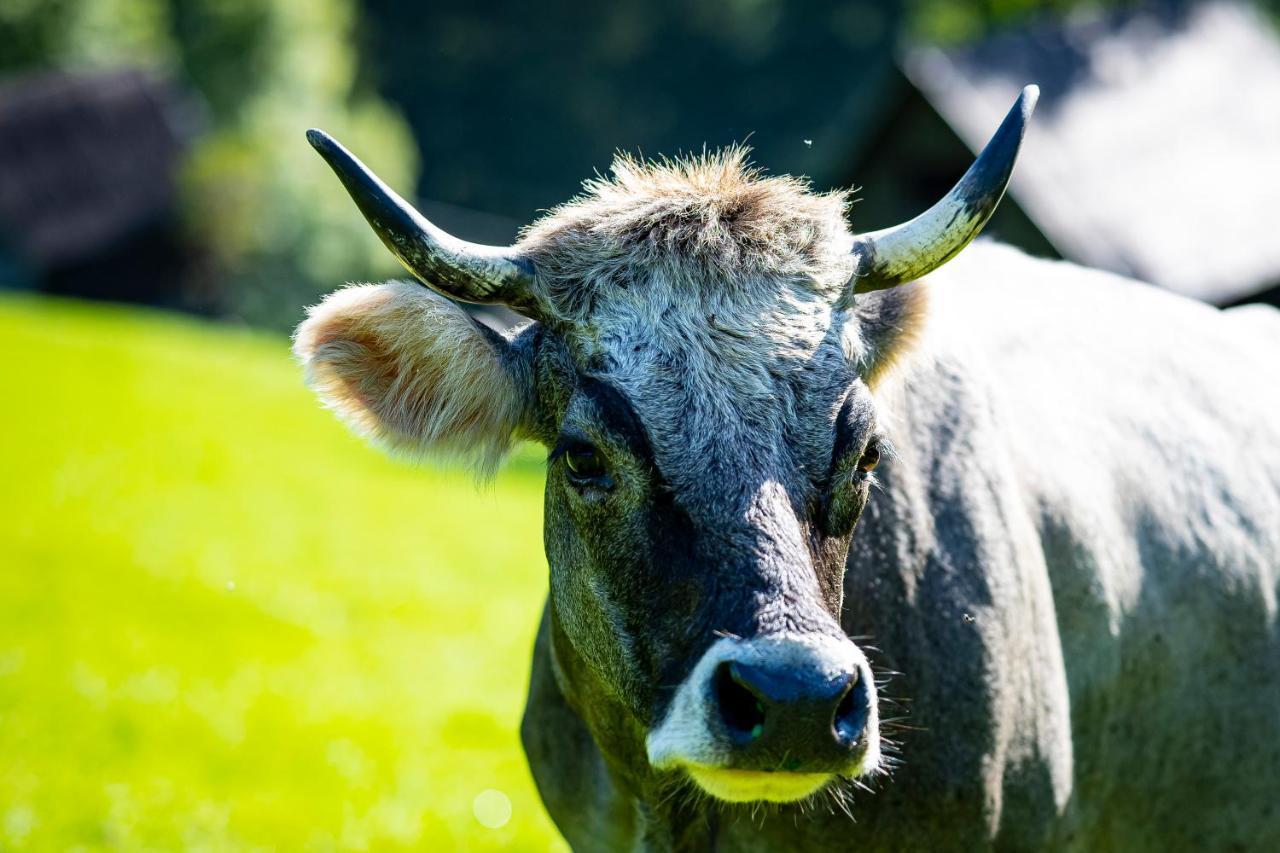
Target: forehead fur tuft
(701, 226)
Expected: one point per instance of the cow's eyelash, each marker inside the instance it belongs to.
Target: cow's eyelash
(565, 444)
(848, 458)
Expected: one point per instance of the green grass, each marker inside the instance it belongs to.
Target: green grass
(227, 624)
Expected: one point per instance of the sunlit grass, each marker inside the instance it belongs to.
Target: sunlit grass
(226, 624)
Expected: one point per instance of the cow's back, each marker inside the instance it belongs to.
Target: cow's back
(1074, 563)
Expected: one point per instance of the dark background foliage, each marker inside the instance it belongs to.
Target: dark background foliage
(491, 111)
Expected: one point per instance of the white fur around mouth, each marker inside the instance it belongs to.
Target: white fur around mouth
(685, 737)
(749, 786)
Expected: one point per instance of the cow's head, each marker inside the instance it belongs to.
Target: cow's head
(701, 368)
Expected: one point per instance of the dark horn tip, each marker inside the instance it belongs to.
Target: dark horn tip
(321, 141)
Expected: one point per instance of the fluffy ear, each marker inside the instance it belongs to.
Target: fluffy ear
(889, 324)
(410, 370)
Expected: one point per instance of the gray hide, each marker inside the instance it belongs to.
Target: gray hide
(1072, 562)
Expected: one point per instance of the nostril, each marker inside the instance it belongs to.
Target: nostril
(851, 714)
(741, 710)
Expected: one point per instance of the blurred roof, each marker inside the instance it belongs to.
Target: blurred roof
(1155, 151)
(85, 160)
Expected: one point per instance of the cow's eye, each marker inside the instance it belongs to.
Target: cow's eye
(870, 458)
(585, 463)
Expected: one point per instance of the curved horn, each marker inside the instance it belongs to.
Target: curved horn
(913, 249)
(458, 269)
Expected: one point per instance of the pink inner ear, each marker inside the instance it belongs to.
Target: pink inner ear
(327, 356)
(408, 368)
(891, 323)
(366, 370)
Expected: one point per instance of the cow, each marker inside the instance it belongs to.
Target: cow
(849, 549)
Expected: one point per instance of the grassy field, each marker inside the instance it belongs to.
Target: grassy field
(226, 624)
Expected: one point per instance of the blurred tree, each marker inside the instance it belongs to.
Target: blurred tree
(39, 34)
(282, 228)
(951, 21)
(276, 228)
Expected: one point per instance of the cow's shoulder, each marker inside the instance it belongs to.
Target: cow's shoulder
(1138, 434)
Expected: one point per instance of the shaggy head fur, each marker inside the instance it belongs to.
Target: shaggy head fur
(716, 298)
(711, 228)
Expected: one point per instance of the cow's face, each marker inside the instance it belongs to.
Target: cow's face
(701, 373)
(697, 523)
